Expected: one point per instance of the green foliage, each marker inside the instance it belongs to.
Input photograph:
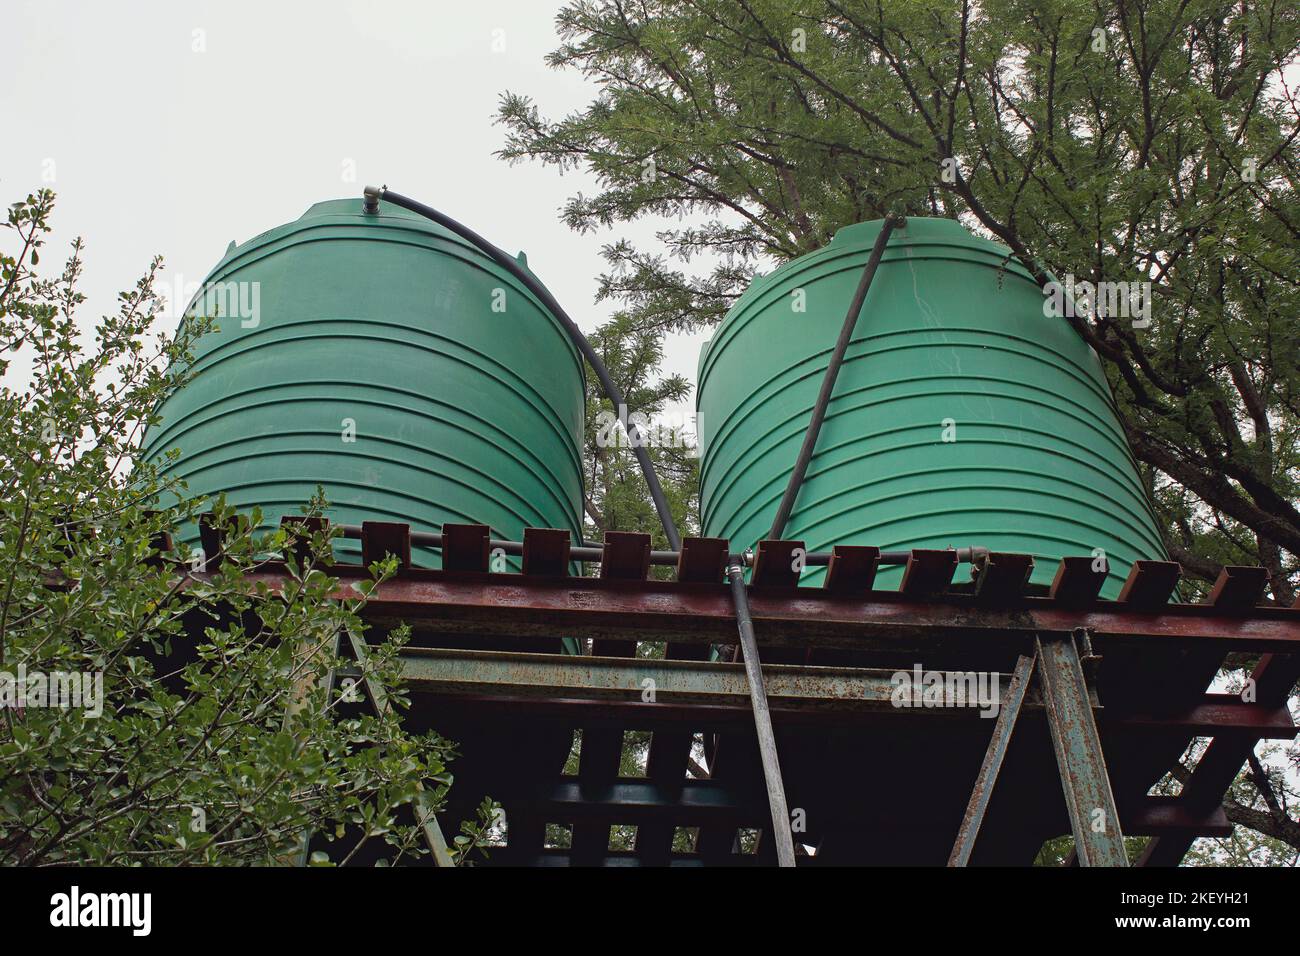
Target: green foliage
(617, 496)
(1151, 142)
(216, 742)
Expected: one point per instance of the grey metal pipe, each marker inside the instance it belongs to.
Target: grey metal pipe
(762, 716)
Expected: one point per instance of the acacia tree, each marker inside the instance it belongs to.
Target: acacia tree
(1142, 142)
(210, 738)
(1150, 141)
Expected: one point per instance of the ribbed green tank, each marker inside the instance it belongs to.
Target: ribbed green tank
(962, 416)
(394, 365)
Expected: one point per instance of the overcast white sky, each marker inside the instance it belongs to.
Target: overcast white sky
(154, 146)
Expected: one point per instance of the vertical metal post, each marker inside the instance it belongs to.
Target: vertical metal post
(762, 717)
(982, 793)
(1088, 797)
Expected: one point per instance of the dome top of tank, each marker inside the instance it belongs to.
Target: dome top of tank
(328, 214)
(330, 211)
(919, 238)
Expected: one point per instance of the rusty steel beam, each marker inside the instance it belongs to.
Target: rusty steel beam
(476, 673)
(928, 573)
(1247, 722)
(1094, 819)
(714, 693)
(1272, 679)
(639, 802)
(1003, 577)
(1215, 715)
(982, 793)
(512, 604)
(1078, 581)
(1150, 584)
(700, 802)
(1174, 817)
(777, 563)
(852, 569)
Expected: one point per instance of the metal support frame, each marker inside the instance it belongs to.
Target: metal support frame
(502, 622)
(1094, 818)
(982, 793)
(1085, 783)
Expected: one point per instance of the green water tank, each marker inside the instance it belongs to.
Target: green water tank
(393, 364)
(962, 416)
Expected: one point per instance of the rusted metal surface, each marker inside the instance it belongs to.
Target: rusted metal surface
(852, 569)
(629, 801)
(1239, 589)
(1216, 715)
(987, 778)
(546, 552)
(777, 563)
(626, 555)
(382, 538)
(466, 547)
(1094, 818)
(988, 624)
(702, 560)
(1272, 680)
(1174, 817)
(928, 573)
(1003, 577)
(1078, 581)
(732, 712)
(701, 613)
(1150, 584)
(454, 672)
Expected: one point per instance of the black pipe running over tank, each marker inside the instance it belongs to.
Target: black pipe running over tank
(373, 194)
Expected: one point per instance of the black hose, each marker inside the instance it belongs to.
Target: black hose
(507, 262)
(828, 381)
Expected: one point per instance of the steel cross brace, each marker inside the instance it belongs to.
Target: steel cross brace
(1084, 780)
